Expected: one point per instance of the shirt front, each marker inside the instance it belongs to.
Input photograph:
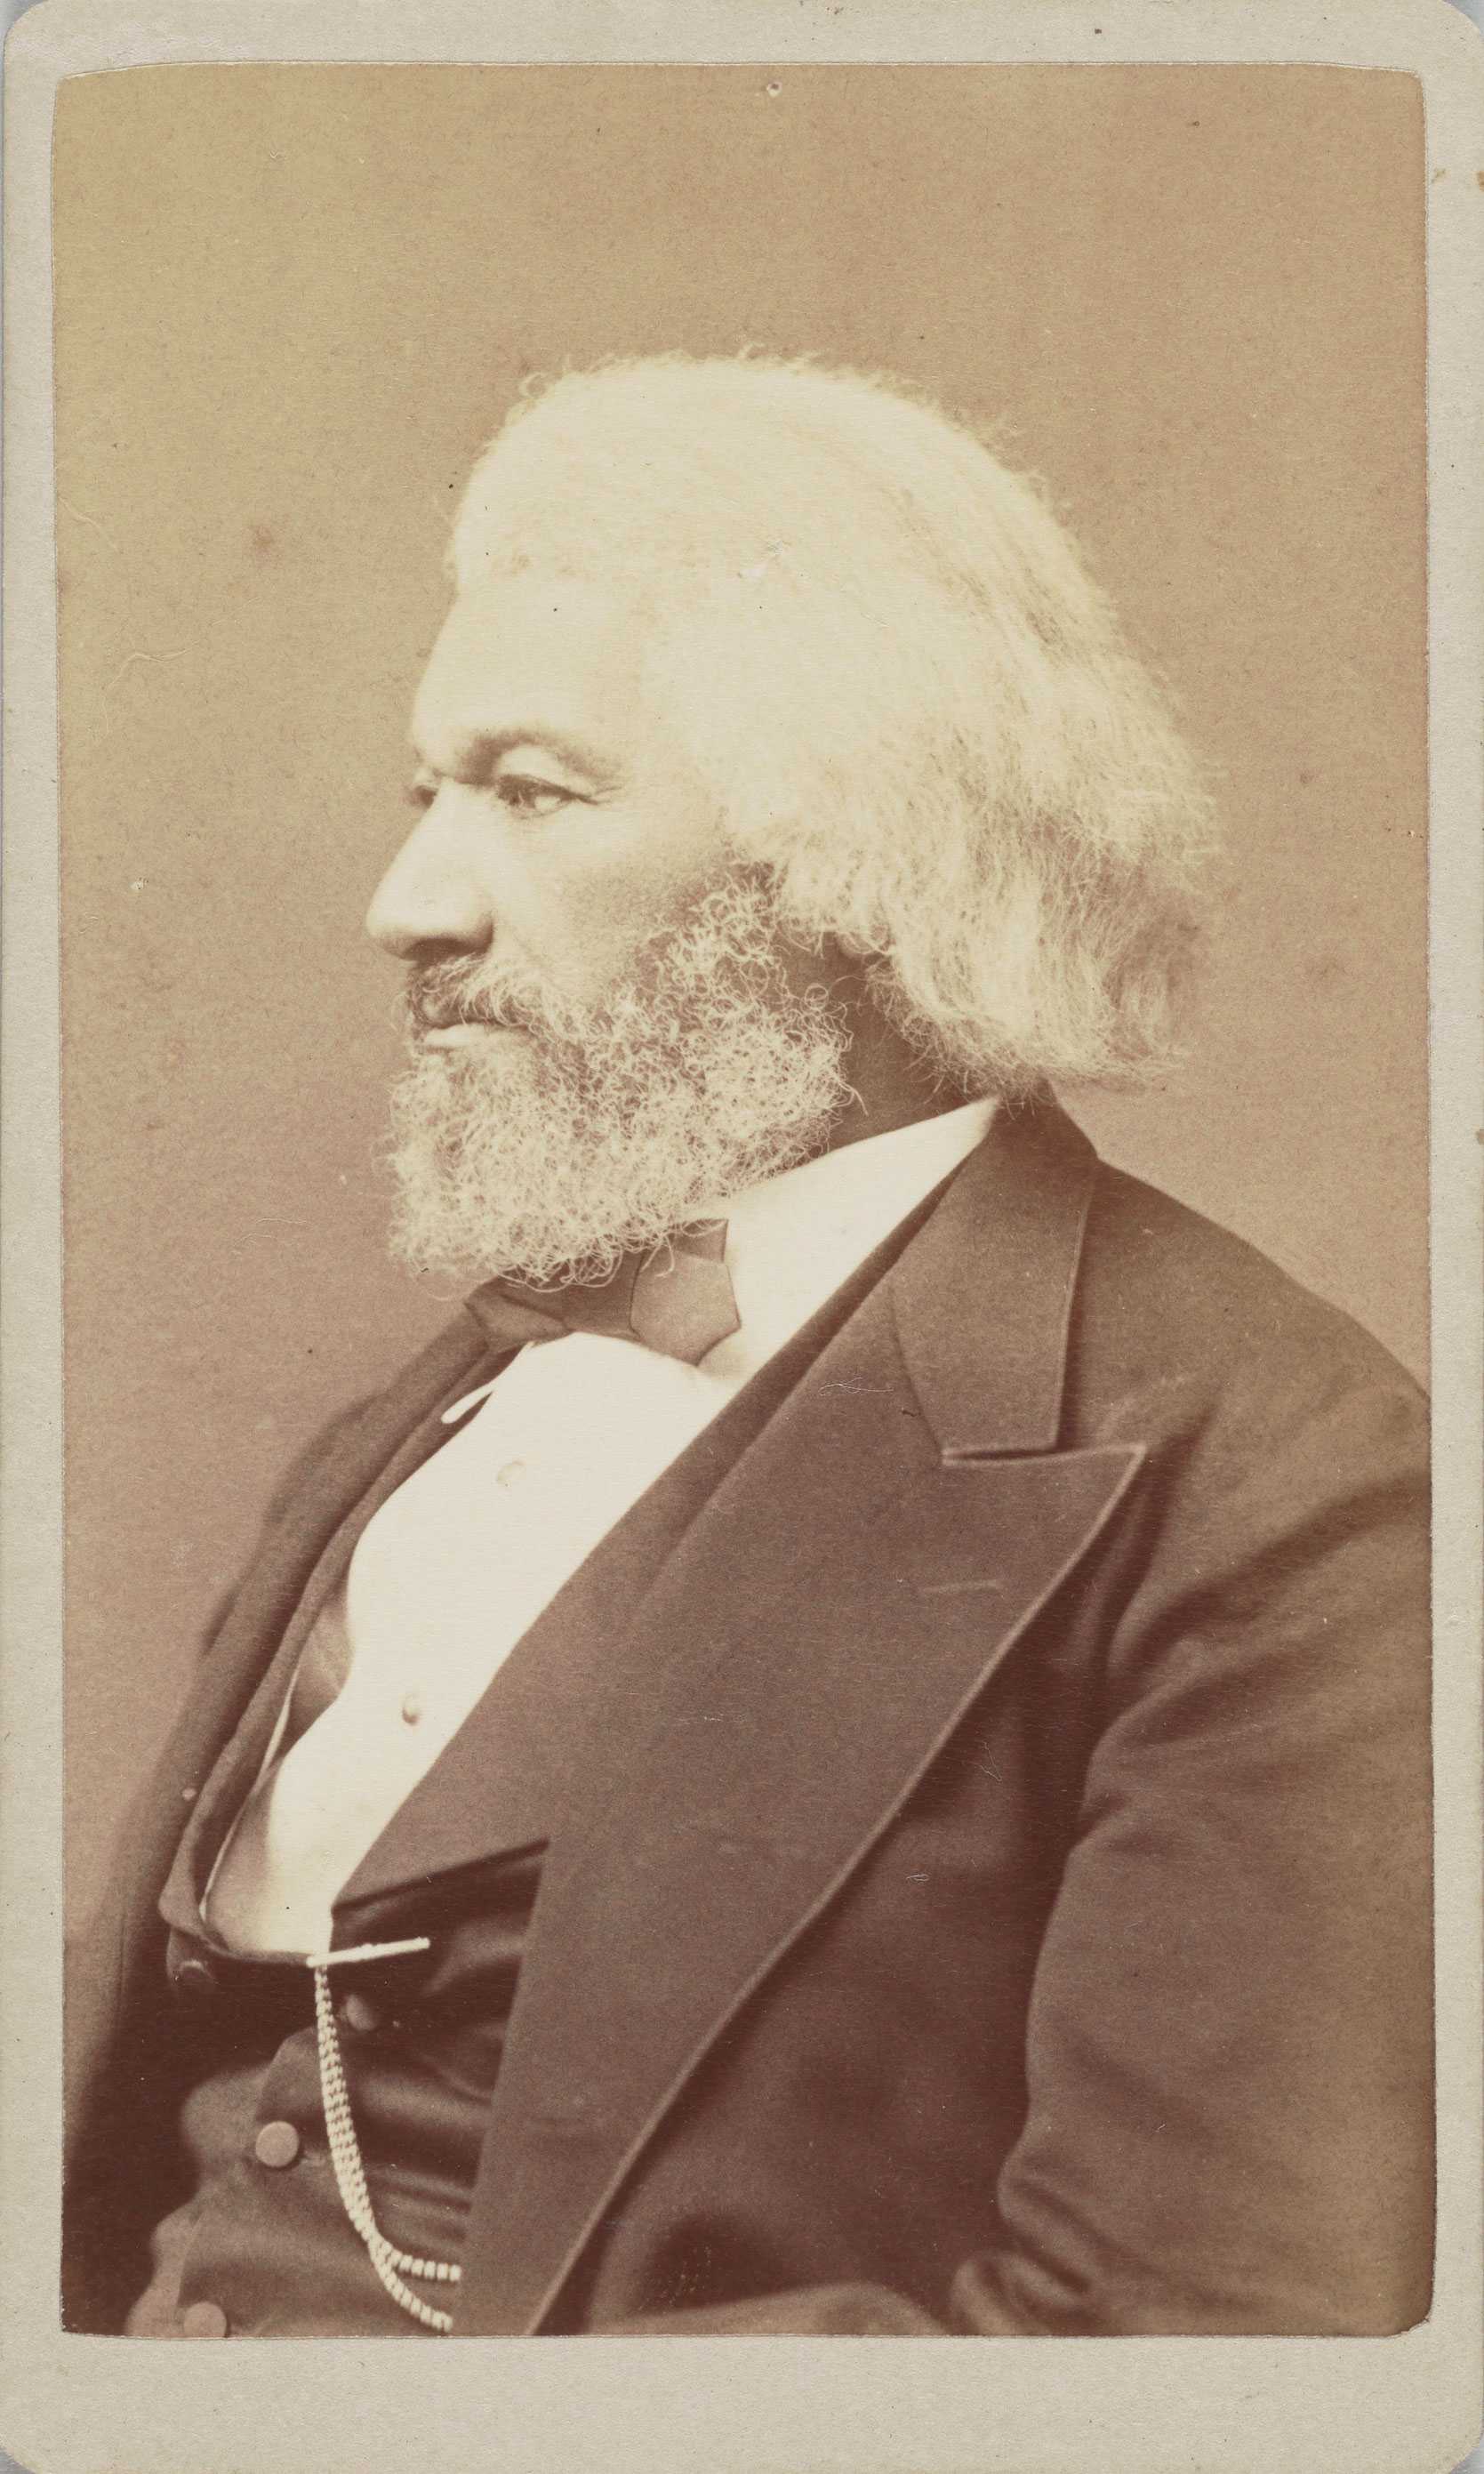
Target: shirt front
(458, 1564)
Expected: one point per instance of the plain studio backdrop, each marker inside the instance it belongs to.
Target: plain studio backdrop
(293, 301)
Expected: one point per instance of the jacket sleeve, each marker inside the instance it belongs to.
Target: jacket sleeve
(1228, 2053)
(1230, 2045)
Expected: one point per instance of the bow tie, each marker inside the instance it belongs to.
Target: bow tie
(677, 1299)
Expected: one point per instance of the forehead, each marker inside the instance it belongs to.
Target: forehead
(531, 654)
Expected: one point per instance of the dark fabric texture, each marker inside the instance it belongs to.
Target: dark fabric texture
(988, 1788)
(267, 2240)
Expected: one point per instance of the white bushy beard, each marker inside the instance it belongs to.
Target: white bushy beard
(609, 1126)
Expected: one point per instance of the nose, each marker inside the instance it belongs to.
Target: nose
(431, 903)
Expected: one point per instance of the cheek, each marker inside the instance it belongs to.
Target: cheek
(596, 911)
(581, 928)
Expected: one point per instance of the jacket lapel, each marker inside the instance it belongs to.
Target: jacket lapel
(521, 1768)
(218, 1741)
(816, 1635)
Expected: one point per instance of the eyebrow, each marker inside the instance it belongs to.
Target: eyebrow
(481, 752)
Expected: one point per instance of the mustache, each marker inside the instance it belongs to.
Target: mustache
(442, 994)
(511, 993)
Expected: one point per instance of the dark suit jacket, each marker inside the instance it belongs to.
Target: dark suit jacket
(989, 1888)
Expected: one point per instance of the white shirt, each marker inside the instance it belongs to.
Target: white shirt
(461, 1559)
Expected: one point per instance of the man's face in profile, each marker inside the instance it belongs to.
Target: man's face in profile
(609, 1025)
(563, 821)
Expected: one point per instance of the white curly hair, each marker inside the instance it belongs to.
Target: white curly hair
(916, 709)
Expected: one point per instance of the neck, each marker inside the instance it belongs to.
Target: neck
(892, 1083)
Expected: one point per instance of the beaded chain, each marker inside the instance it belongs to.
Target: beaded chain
(351, 2178)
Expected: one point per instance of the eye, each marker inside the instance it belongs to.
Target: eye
(525, 795)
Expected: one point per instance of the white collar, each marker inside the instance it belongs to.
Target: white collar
(793, 1239)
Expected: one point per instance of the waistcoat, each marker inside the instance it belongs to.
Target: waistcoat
(262, 2244)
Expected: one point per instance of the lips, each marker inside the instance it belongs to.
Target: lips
(456, 1018)
(466, 1034)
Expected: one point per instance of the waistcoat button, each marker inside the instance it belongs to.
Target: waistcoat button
(360, 2014)
(278, 2142)
(203, 2319)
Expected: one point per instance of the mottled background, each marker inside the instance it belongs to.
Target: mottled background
(292, 302)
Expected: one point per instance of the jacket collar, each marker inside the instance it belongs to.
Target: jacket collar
(983, 1300)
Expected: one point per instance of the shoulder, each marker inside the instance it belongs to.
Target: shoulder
(1181, 1326)
(1277, 1540)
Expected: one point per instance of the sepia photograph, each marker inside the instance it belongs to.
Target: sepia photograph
(744, 792)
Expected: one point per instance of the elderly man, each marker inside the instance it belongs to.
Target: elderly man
(847, 1751)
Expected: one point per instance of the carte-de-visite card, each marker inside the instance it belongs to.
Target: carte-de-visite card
(743, 1315)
